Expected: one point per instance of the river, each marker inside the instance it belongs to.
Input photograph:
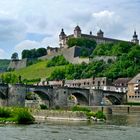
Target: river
(117, 127)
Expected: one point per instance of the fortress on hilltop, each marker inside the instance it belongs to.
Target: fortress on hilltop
(99, 38)
(73, 54)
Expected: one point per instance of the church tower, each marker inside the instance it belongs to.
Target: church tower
(100, 33)
(62, 39)
(77, 32)
(135, 38)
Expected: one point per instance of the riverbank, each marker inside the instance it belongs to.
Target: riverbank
(15, 115)
(113, 109)
(50, 115)
(59, 115)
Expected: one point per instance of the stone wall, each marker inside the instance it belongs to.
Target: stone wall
(16, 95)
(106, 59)
(71, 54)
(17, 64)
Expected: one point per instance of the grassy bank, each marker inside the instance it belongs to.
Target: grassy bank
(73, 113)
(35, 71)
(16, 115)
(133, 103)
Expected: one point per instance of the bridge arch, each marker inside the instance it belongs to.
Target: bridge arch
(44, 96)
(113, 99)
(81, 98)
(3, 96)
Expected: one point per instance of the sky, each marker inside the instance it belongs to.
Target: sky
(28, 24)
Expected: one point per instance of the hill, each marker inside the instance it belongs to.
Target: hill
(35, 71)
(4, 64)
(126, 64)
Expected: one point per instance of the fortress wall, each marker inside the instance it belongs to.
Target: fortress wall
(71, 54)
(50, 56)
(106, 59)
(17, 64)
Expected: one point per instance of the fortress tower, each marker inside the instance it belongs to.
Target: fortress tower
(62, 39)
(99, 37)
(77, 32)
(100, 33)
(135, 38)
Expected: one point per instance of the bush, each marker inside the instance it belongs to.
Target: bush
(100, 115)
(57, 61)
(79, 108)
(133, 103)
(5, 113)
(90, 114)
(42, 106)
(24, 117)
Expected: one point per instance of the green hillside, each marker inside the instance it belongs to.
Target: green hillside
(4, 64)
(127, 64)
(35, 71)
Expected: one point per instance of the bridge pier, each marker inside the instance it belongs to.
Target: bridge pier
(16, 95)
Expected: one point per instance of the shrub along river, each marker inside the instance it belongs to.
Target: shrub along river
(117, 127)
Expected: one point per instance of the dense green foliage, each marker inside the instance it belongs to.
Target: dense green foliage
(24, 117)
(42, 106)
(34, 53)
(4, 64)
(133, 103)
(99, 114)
(80, 108)
(87, 45)
(5, 112)
(127, 63)
(110, 49)
(16, 115)
(82, 42)
(31, 81)
(9, 78)
(78, 71)
(57, 61)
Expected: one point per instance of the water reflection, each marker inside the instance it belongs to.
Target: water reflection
(117, 127)
(124, 119)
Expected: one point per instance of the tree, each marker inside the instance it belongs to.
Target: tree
(57, 61)
(41, 52)
(14, 56)
(33, 53)
(57, 74)
(82, 42)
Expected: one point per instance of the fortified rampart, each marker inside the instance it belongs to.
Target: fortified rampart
(71, 54)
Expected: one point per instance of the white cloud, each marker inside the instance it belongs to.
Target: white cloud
(2, 53)
(103, 14)
(27, 44)
(18, 18)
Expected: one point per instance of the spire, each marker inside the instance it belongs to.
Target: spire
(135, 35)
(90, 32)
(100, 33)
(77, 28)
(62, 33)
(77, 31)
(135, 38)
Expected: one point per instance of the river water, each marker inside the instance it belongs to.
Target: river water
(117, 127)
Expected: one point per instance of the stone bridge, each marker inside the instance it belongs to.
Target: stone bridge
(14, 95)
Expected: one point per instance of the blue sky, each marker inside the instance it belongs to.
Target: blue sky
(27, 24)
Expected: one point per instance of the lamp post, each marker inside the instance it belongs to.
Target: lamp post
(102, 103)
